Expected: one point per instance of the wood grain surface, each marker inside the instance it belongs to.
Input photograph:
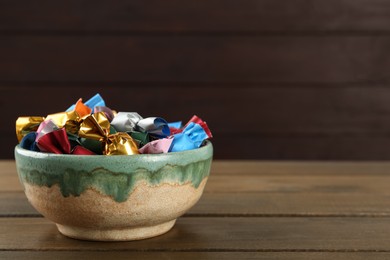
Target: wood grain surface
(249, 210)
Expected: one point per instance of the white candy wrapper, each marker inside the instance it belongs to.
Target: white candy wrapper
(126, 121)
(156, 126)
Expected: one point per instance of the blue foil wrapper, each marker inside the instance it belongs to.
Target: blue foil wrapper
(177, 124)
(28, 142)
(192, 137)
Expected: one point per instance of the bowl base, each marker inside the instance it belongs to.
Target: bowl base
(123, 234)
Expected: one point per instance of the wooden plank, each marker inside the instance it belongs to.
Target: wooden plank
(42, 255)
(216, 234)
(177, 16)
(195, 59)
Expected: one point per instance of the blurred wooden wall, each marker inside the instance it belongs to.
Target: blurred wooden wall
(292, 79)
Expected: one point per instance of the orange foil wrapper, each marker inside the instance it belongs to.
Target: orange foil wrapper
(27, 124)
(81, 109)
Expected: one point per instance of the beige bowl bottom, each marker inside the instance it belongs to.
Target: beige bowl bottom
(123, 234)
(149, 211)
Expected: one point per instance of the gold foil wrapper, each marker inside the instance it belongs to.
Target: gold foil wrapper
(96, 127)
(70, 120)
(27, 124)
(120, 144)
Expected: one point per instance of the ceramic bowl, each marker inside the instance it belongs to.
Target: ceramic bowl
(114, 198)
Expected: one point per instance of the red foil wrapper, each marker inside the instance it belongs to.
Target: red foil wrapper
(197, 120)
(82, 151)
(55, 142)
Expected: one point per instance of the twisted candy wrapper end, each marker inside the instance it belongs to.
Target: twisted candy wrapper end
(95, 126)
(81, 109)
(110, 114)
(126, 121)
(94, 101)
(45, 127)
(58, 142)
(157, 146)
(191, 138)
(28, 142)
(27, 124)
(197, 120)
(70, 120)
(155, 126)
(55, 142)
(120, 144)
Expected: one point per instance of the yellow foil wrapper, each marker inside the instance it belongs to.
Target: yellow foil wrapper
(27, 124)
(120, 144)
(70, 120)
(96, 127)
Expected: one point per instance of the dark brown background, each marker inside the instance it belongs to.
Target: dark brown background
(274, 79)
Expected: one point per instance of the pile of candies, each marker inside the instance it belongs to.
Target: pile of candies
(92, 128)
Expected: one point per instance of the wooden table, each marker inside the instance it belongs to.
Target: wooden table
(250, 209)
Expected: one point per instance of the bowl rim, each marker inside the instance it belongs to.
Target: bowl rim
(207, 146)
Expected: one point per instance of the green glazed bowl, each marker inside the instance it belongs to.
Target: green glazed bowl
(114, 198)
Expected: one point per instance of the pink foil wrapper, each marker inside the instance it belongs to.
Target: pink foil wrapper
(45, 127)
(157, 146)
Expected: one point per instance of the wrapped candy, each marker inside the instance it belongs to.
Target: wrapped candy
(82, 109)
(70, 120)
(57, 142)
(157, 146)
(27, 124)
(45, 127)
(92, 128)
(140, 138)
(155, 126)
(97, 127)
(125, 121)
(110, 114)
(93, 102)
(191, 138)
(195, 119)
(175, 127)
(28, 142)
